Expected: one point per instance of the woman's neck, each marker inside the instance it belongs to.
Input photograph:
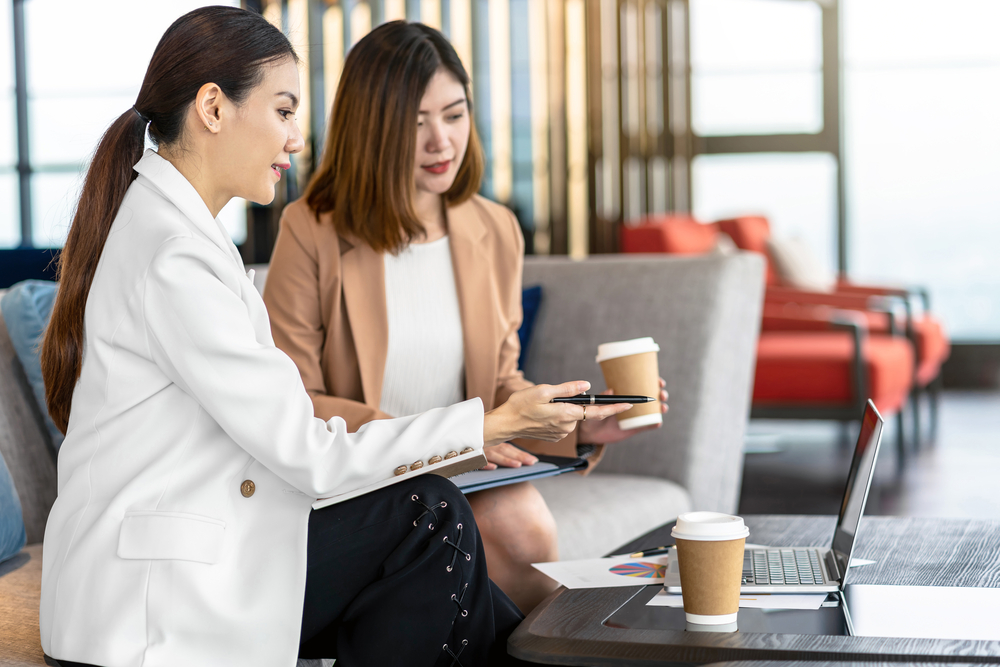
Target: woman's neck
(429, 208)
(190, 166)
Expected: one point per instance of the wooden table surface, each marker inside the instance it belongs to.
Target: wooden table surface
(568, 629)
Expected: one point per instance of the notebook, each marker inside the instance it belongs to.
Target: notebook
(465, 471)
(547, 466)
(812, 569)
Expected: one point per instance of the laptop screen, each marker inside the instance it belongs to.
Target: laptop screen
(858, 483)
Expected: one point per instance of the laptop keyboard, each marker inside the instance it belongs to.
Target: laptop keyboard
(781, 567)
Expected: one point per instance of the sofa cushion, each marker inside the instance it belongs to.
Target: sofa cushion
(750, 232)
(705, 312)
(24, 441)
(12, 536)
(26, 308)
(798, 267)
(814, 368)
(933, 348)
(672, 234)
(598, 512)
(531, 301)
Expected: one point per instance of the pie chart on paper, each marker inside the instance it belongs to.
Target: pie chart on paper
(640, 570)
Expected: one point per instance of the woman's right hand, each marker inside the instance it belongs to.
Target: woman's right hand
(529, 414)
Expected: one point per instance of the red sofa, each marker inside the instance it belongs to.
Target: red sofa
(821, 354)
(926, 333)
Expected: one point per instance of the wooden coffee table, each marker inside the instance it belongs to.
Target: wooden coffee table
(569, 627)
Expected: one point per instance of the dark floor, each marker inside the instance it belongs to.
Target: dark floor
(801, 467)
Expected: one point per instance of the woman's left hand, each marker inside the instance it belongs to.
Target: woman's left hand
(607, 431)
(507, 455)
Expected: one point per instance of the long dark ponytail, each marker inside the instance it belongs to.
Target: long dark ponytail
(223, 45)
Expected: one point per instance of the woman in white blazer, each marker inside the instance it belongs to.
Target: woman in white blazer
(183, 532)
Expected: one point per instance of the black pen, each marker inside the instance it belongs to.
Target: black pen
(602, 399)
(650, 552)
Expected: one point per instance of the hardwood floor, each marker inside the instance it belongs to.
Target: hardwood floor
(801, 467)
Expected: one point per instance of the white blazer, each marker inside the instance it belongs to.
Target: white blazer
(157, 551)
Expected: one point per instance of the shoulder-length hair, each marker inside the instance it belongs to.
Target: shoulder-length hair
(365, 178)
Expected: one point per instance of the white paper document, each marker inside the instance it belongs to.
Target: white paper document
(620, 571)
(751, 600)
(606, 572)
(925, 612)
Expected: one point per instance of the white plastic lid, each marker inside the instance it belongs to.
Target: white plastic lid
(624, 348)
(709, 527)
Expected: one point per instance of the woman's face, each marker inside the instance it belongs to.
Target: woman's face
(264, 135)
(442, 133)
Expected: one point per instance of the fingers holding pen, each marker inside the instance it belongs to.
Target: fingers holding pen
(598, 412)
(564, 390)
(530, 413)
(584, 412)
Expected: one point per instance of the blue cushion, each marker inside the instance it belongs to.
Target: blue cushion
(531, 301)
(26, 308)
(12, 535)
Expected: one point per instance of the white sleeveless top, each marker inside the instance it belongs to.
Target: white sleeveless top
(425, 364)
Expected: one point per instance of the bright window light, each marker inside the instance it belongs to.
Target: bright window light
(75, 92)
(796, 192)
(756, 67)
(922, 138)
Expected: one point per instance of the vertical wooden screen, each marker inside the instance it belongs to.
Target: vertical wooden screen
(582, 105)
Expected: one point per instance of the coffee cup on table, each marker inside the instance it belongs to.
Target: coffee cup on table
(710, 558)
(631, 367)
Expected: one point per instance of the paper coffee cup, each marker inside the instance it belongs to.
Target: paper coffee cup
(631, 367)
(710, 559)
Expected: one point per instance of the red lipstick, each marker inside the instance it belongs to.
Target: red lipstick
(437, 167)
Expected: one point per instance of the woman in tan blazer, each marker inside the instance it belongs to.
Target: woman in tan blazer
(402, 113)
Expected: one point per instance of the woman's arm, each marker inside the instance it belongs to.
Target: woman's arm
(292, 296)
(206, 339)
(206, 336)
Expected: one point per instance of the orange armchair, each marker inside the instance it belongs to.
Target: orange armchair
(821, 354)
(819, 362)
(879, 304)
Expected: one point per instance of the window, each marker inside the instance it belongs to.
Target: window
(922, 139)
(765, 113)
(756, 67)
(796, 192)
(84, 69)
(10, 227)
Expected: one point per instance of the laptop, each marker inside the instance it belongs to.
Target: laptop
(812, 569)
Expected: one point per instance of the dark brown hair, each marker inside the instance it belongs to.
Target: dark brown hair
(365, 177)
(223, 45)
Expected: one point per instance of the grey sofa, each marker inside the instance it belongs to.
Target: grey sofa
(703, 311)
(705, 314)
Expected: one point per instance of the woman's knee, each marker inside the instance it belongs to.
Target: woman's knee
(442, 488)
(516, 520)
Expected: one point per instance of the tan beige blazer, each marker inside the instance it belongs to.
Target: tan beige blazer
(325, 295)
